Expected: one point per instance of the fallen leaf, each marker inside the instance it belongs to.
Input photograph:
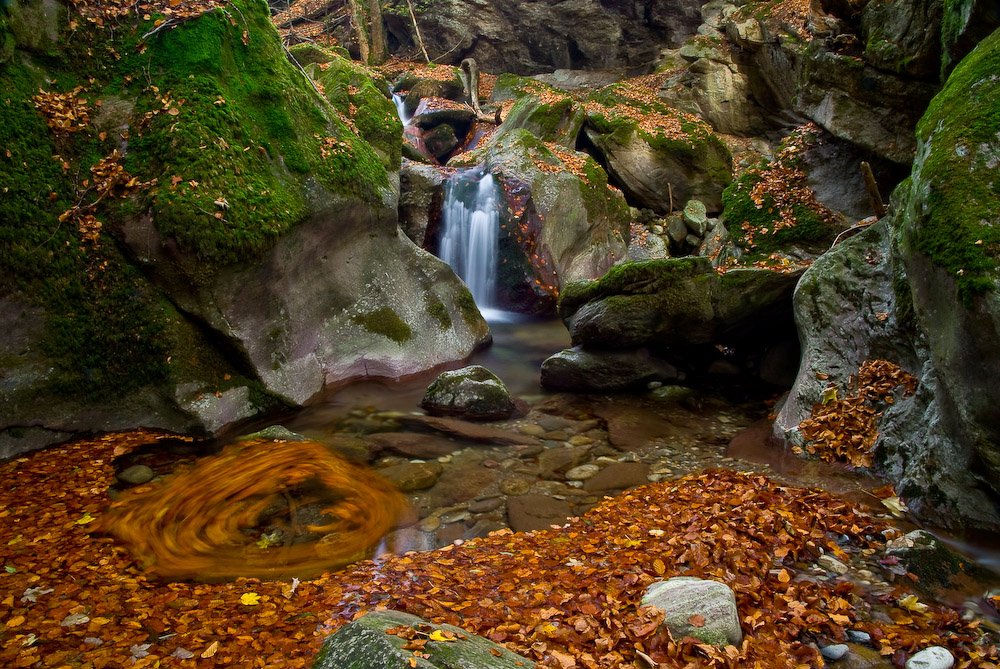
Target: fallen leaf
(211, 650)
(697, 620)
(250, 599)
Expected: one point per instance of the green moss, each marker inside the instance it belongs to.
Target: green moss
(641, 277)
(248, 129)
(438, 311)
(467, 305)
(955, 174)
(352, 91)
(385, 322)
(810, 228)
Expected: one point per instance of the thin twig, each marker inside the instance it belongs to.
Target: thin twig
(168, 22)
(416, 29)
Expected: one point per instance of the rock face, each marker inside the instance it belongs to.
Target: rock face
(679, 159)
(260, 261)
(364, 644)
(578, 34)
(597, 370)
(919, 289)
(472, 392)
(682, 598)
(564, 223)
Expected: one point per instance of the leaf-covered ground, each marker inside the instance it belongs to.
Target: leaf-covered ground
(566, 597)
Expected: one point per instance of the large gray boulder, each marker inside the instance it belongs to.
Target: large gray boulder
(598, 370)
(673, 302)
(919, 289)
(365, 644)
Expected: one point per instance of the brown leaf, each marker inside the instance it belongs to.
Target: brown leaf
(697, 620)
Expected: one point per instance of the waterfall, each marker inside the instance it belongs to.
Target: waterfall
(401, 108)
(469, 242)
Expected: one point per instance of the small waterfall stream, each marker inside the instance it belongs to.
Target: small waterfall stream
(471, 228)
(400, 103)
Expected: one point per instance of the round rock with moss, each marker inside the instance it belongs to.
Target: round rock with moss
(471, 392)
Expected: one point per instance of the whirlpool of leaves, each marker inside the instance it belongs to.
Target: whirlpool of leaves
(567, 597)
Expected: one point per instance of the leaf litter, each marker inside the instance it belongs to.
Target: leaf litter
(568, 597)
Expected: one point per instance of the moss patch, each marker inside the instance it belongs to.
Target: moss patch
(770, 207)
(955, 175)
(438, 311)
(385, 322)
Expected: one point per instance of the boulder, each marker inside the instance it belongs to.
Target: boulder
(686, 601)
(919, 289)
(261, 262)
(677, 159)
(421, 195)
(365, 644)
(932, 561)
(564, 223)
(472, 392)
(675, 302)
(548, 113)
(596, 370)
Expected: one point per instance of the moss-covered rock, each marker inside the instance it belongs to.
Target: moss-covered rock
(169, 212)
(472, 392)
(919, 289)
(659, 155)
(364, 644)
(676, 303)
(362, 99)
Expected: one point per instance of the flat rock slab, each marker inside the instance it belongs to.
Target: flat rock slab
(466, 430)
(411, 476)
(633, 429)
(424, 446)
(364, 644)
(618, 476)
(527, 513)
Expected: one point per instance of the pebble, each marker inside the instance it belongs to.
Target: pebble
(454, 516)
(580, 440)
(429, 524)
(532, 430)
(934, 657)
(137, 474)
(515, 486)
(444, 459)
(582, 472)
(832, 564)
(485, 505)
(858, 636)
(834, 652)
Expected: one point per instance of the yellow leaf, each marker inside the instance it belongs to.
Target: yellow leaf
(829, 395)
(911, 603)
(250, 598)
(16, 621)
(15, 540)
(659, 567)
(439, 635)
(86, 518)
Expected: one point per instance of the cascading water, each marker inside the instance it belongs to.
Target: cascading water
(469, 242)
(401, 108)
